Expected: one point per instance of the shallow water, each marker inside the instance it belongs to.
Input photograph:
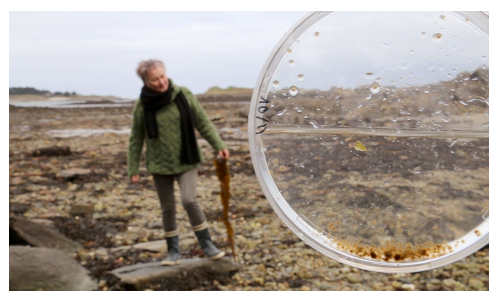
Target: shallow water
(71, 104)
(86, 132)
(413, 195)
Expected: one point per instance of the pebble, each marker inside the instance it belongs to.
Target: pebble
(450, 282)
(259, 280)
(408, 287)
(354, 278)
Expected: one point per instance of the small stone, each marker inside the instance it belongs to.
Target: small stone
(259, 280)
(435, 281)
(346, 288)
(450, 282)
(55, 297)
(16, 181)
(354, 278)
(39, 294)
(305, 288)
(101, 252)
(408, 287)
(476, 284)
(73, 173)
(396, 284)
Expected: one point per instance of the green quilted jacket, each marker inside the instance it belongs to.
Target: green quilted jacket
(163, 153)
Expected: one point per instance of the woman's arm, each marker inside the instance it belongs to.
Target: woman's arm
(205, 126)
(136, 142)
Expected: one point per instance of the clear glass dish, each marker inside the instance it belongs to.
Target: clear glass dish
(369, 135)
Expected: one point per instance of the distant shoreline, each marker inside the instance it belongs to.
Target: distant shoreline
(32, 97)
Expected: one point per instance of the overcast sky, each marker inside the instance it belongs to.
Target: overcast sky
(97, 52)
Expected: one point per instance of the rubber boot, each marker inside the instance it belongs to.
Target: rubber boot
(173, 251)
(207, 245)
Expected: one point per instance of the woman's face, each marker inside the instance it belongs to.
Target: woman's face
(157, 79)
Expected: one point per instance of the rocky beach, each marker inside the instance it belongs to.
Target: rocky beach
(67, 172)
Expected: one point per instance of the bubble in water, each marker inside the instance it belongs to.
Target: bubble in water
(412, 52)
(276, 82)
(423, 34)
(301, 77)
(293, 91)
(437, 37)
(375, 88)
(316, 34)
(291, 62)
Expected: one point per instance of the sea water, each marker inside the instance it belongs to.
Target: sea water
(385, 194)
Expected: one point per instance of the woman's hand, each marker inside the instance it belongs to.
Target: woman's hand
(224, 153)
(134, 178)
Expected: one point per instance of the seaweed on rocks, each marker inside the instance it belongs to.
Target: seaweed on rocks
(91, 232)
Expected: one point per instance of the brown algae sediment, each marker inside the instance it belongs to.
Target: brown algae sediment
(393, 251)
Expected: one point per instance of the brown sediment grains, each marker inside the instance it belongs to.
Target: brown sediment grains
(394, 251)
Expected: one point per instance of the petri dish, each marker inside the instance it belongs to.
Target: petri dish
(369, 136)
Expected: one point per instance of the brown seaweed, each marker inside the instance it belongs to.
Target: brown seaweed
(222, 171)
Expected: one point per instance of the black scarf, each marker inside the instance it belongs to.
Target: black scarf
(153, 101)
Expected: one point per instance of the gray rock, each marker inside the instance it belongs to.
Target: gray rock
(73, 173)
(46, 269)
(38, 235)
(193, 268)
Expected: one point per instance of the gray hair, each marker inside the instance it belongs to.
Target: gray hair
(145, 66)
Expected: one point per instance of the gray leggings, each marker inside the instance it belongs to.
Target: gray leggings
(187, 184)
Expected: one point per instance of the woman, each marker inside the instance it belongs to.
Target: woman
(165, 117)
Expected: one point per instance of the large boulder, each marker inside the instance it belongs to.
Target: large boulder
(46, 269)
(26, 232)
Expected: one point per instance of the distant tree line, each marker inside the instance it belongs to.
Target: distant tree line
(33, 91)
